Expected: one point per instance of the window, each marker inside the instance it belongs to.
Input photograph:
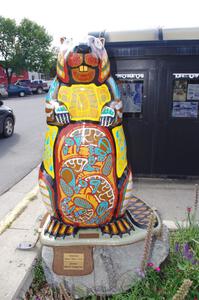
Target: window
(131, 91)
(185, 95)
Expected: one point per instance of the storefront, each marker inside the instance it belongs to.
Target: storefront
(159, 84)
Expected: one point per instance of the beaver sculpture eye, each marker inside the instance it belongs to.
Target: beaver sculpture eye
(75, 59)
(98, 44)
(91, 60)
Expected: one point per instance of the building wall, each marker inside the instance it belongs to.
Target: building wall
(34, 75)
(23, 76)
(162, 126)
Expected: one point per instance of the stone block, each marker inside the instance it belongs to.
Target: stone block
(115, 267)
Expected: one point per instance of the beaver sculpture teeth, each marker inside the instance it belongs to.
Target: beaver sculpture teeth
(84, 178)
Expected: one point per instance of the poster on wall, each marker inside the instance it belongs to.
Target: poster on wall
(193, 92)
(131, 95)
(180, 90)
(185, 109)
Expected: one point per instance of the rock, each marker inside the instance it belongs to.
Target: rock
(115, 267)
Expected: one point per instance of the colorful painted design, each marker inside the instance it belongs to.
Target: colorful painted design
(47, 192)
(114, 88)
(84, 175)
(121, 161)
(84, 102)
(83, 63)
(127, 194)
(86, 183)
(104, 69)
(50, 137)
(62, 70)
(46, 197)
(53, 88)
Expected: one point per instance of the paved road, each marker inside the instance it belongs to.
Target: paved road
(21, 153)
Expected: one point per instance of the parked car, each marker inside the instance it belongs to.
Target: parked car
(14, 90)
(43, 84)
(3, 91)
(7, 120)
(36, 86)
(48, 82)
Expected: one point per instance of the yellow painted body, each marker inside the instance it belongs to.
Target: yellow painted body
(120, 142)
(84, 101)
(50, 137)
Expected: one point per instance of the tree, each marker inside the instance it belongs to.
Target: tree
(24, 47)
(35, 45)
(51, 70)
(8, 41)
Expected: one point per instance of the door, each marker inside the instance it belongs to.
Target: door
(177, 142)
(136, 81)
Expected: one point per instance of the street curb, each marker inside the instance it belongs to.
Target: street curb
(172, 226)
(19, 208)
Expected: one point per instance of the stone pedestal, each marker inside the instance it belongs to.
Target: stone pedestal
(114, 267)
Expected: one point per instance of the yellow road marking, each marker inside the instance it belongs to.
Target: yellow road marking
(19, 208)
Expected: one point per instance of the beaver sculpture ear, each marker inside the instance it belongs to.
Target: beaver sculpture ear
(102, 40)
(65, 40)
(62, 39)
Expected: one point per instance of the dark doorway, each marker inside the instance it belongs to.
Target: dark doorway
(177, 142)
(161, 114)
(136, 79)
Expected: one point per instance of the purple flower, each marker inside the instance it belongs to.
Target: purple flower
(194, 261)
(177, 247)
(190, 255)
(187, 252)
(186, 248)
(157, 269)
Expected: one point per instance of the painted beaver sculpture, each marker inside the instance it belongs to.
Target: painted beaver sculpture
(84, 178)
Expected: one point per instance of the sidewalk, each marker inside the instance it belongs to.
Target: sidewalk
(16, 265)
(13, 196)
(170, 197)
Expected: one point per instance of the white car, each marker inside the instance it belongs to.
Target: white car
(48, 82)
(3, 91)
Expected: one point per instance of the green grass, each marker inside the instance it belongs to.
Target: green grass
(38, 275)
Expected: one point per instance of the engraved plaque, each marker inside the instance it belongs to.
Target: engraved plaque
(73, 261)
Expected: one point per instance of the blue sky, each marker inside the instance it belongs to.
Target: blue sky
(78, 17)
